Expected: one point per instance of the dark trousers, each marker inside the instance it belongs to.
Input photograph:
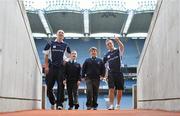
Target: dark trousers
(92, 92)
(72, 90)
(55, 75)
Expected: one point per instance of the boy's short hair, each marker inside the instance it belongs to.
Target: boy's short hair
(74, 51)
(92, 48)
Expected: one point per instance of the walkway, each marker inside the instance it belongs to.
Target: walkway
(92, 113)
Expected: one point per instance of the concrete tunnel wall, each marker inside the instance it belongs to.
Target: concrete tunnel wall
(20, 69)
(158, 85)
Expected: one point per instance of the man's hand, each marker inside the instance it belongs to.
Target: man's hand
(64, 62)
(120, 44)
(46, 65)
(101, 77)
(46, 69)
(116, 38)
(78, 83)
(64, 82)
(83, 79)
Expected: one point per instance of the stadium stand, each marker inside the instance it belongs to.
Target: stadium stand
(130, 58)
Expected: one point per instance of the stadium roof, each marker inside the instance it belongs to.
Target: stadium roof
(35, 22)
(100, 16)
(71, 22)
(140, 23)
(107, 21)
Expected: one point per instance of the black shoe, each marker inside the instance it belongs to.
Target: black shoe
(94, 108)
(88, 108)
(70, 108)
(76, 106)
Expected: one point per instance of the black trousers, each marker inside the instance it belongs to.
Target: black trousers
(92, 91)
(72, 90)
(55, 75)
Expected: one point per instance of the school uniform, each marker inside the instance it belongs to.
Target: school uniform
(92, 69)
(72, 76)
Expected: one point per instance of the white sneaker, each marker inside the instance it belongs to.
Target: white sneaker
(117, 107)
(59, 108)
(111, 107)
(53, 107)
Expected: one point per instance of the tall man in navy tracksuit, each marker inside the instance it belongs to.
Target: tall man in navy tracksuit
(93, 68)
(115, 76)
(72, 80)
(55, 51)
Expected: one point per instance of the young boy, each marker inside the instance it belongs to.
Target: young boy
(93, 68)
(72, 79)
